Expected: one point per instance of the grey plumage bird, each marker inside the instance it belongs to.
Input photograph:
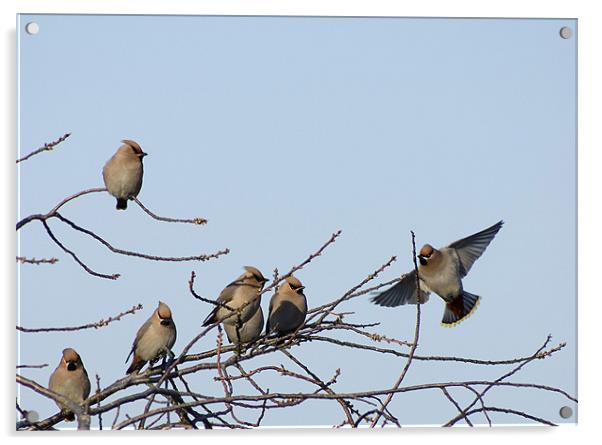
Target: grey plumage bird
(288, 307)
(242, 298)
(122, 174)
(70, 380)
(154, 339)
(441, 271)
(246, 332)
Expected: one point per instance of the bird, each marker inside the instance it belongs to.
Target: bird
(154, 339)
(70, 380)
(242, 298)
(288, 308)
(441, 271)
(245, 332)
(122, 174)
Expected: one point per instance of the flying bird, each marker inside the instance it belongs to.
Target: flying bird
(70, 380)
(154, 339)
(441, 271)
(288, 308)
(122, 173)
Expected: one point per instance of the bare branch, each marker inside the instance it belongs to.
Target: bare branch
(137, 254)
(47, 147)
(197, 221)
(416, 336)
(23, 260)
(99, 324)
(511, 411)
(308, 260)
(75, 257)
(43, 365)
(51, 213)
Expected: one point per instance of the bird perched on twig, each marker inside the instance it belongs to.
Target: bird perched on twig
(246, 332)
(441, 271)
(239, 301)
(70, 380)
(154, 339)
(288, 308)
(122, 173)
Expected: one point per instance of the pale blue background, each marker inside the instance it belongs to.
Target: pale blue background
(280, 131)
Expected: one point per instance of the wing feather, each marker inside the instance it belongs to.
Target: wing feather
(403, 292)
(469, 249)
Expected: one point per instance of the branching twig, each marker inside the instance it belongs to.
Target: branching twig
(416, 336)
(137, 254)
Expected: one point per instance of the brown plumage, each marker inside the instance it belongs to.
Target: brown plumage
(122, 174)
(154, 339)
(246, 332)
(441, 271)
(288, 307)
(243, 292)
(70, 380)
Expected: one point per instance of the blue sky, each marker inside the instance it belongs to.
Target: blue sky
(283, 130)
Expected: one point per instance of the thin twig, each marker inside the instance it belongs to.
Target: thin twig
(99, 324)
(23, 260)
(98, 405)
(416, 336)
(137, 254)
(43, 365)
(453, 401)
(197, 221)
(47, 147)
(301, 265)
(75, 257)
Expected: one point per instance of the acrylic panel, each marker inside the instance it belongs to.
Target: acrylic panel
(346, 152)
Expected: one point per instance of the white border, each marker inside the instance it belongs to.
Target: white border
(590, 119)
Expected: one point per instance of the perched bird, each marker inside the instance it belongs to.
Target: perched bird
(70, 380)
(247, 332)
(154, 339)
(288, 308)
(123, 173)
(441, 271)
(243, 294)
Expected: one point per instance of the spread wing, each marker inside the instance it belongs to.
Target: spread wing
(403, 292)
(469, 249)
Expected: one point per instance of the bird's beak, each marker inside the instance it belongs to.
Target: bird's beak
(143, 154)
(165, 321)
(71, 366)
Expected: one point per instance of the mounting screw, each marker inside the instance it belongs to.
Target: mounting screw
(32, 28)
(566, 412)
(566, 32)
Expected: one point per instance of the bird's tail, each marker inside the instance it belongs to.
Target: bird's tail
(459, 309)
(211, 318)
(137, 364)
(122, 204)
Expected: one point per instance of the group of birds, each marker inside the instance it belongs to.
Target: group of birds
(238, 307)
